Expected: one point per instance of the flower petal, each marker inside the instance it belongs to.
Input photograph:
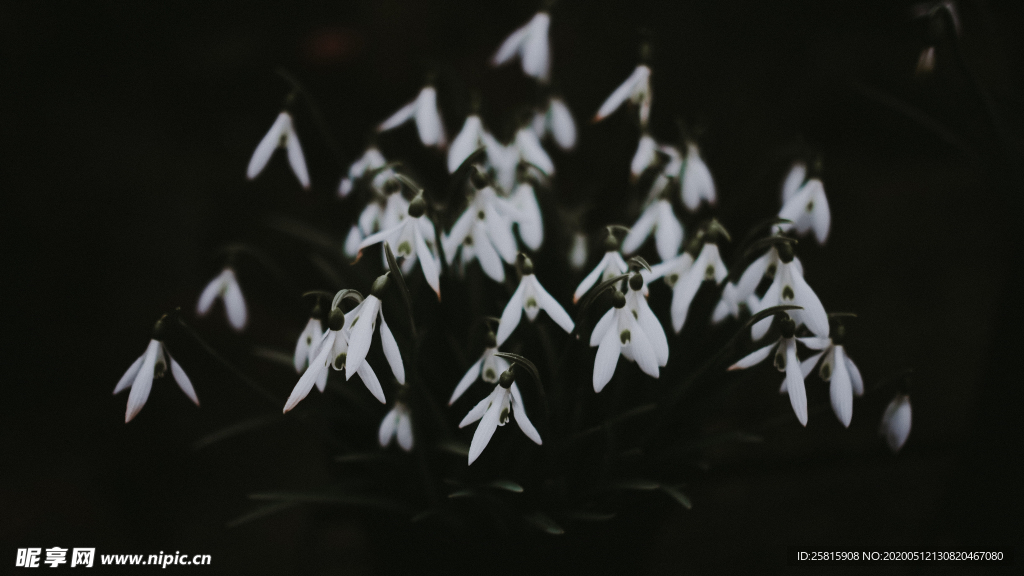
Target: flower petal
(603, 325)
(536, 55)
(813, 313)
(794, 180)
(644, 155)
(143, 381)
(360, 329)
(755, 357)
(484, 431)
(295, 157)
(431, 270)
(511, 45)
(840, 389)
(683, 293)
(553, 308)
(182, 379)
(308, 378)
(795, 382)
(563, 127)
(428, 119)
(391, 351)
(465, 143)
(129, 375)
(478, 410)
(234, 302)
(623, 92)
(591, 279)
(697, 181)
(403, 115)
(405, 431)
(639, 232)
(607, 357)
(771, 298)
(210, 294)
(499, 230)
(512, 314)
(668, 234)
(269, 143)
(896, 422)
(820, 215)
(387, 427)
(531, 151)
(807, 366)
(488, 257)
(856, 382)
(652, 329)
(753, 274)
(369, 379)
(642, 349)
(471, 376)
(520, 415)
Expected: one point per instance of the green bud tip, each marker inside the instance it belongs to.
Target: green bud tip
(636, 281)
(786, 325)
(478, 180)
(611, 243)
(525, 264)
(506, 379)
(618, 299)
(490, 340)
(417, 207)
(379, 285)
(336, 320)
(160, 329)
(785, 252)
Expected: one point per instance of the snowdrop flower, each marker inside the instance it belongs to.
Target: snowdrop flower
(556, 121)
(371, 160)
(360, 333)
(636, 89)
(524, 210)
(488, 368)
(428, 119)
(152, 364)
(530, 42)
(697, 181)
(837, 369)
(281, 135)
(630, 329)
(530, 297)
(466, 142)
(493, 411)
(644, 155)
(578, 251)
(789, 287)
(380, 213)
(530, 150)
(611, 265)
(410, 239)
(689, 274)
(766, 265)
(730, 302)
(397, 423)
(225, 285)
(785, 361)
(806, 207)
(483, 232)
(659, 218)
(895, 424)
(306, 346)
(332, 351)
(504, 160)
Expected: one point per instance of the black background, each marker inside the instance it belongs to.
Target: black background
(128, 127)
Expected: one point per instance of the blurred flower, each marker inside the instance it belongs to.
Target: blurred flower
(786, 361)
(226, 287)
(360, 334)
(281, 135)
(789, 287)
(644, 155)
(488, 368)
(578, 251)
(428, 119)
(371, 160)
(530, 42)
(482, 232)
(657, 217)
(530, 297)
(306, 345)
(396, 423)
(611, 265)
(152, 364)
(895, 424)
(466, 142)
(636, 89)
(412, 239)
(522, 209)
(629, 328)
(806, 206)
(697, 181)
(556, 121)
(493, 411)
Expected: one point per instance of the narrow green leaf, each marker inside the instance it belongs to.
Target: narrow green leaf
(678, 496)
(236, 429)
(423, 515)
(454, 447)
(590, 516)
(463, 493)
(636, 484)
(333, 497)
(276, 356)
(260, 512)
(507, 485)
(544, 523)
(412, 184)
(768, 312)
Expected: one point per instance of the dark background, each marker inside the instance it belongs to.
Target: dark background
(128, 127)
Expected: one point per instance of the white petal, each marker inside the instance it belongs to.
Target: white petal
(428, 119)
(234, 302)
(210, 294)
(512, 314)
(403, 115)
(697, 181)
(623, 92)
(795, 383)
(345, 187)
(471, 375)
(182, 379)
(807, 366)
(321, 380)
(352, 240)
(360, 330)
(308, 378)
(669, 233)
(369, 379)
(460, 230)
(683, 293)
(607, 357)
(591, 279)
(519, 412)
(531, 223)
(295, 157)
(815, 343)
(478, 410)
(431, 270)
(488, 257)
(269, 143)
(562, 125)
(405, 431)
(856, 382)
(511, 45)
(821, 216)
(465, 143)
(639, 232)
(484, 431)
(499, 229)
(771, 298)
(794, 180)
(752, 276)
(578, 252)
(896, 422)
(755, 357)
(644, 155)
(642, 349)
(369, 217)
(531, 151)
(603, 325)
(553, 308)
(391, 352)
(655, 333)
(813, 313)
(129, 375)
(536, 56)
(388, 234)
(387, 428)
(143, 381)
(840, 389)
(795, 210)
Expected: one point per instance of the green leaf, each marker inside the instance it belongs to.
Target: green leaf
(423, 515)
(363, 457)
(463, 493)
(636, 484)
(507, 485)
(544, 523)
(333, 497)
(678, 496)
(276, 356)
(454, 447)
(768, 312)
(260, 512)
(586, 516)
(236, 429)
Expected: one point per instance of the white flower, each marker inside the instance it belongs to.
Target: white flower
(332, 351)
(644, 155)
(493, 411)
(610, 266)
(379, 213)
(409, 239)
(671, 270)
(837, 369)
(688, 276)
(371, 160)
(225, 285)
(556, 121)
(630, 329)
(659, 218)
(531, 297)
(530, 150)
(808, 209)
(578, 251)
(729, 304)
(488, 368)
(789, 287)
(306, 346)
(895, 424)
(466, 142)
(281, 135)
(530, 42)
(428, 119)
(523, 209)
(786, 361)
(766, 265)
(152, 364)
(795, 178)
(636, 89)
(360, 334)
(483, 232)
(503, 159)
(397, 423)
(697, 181)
